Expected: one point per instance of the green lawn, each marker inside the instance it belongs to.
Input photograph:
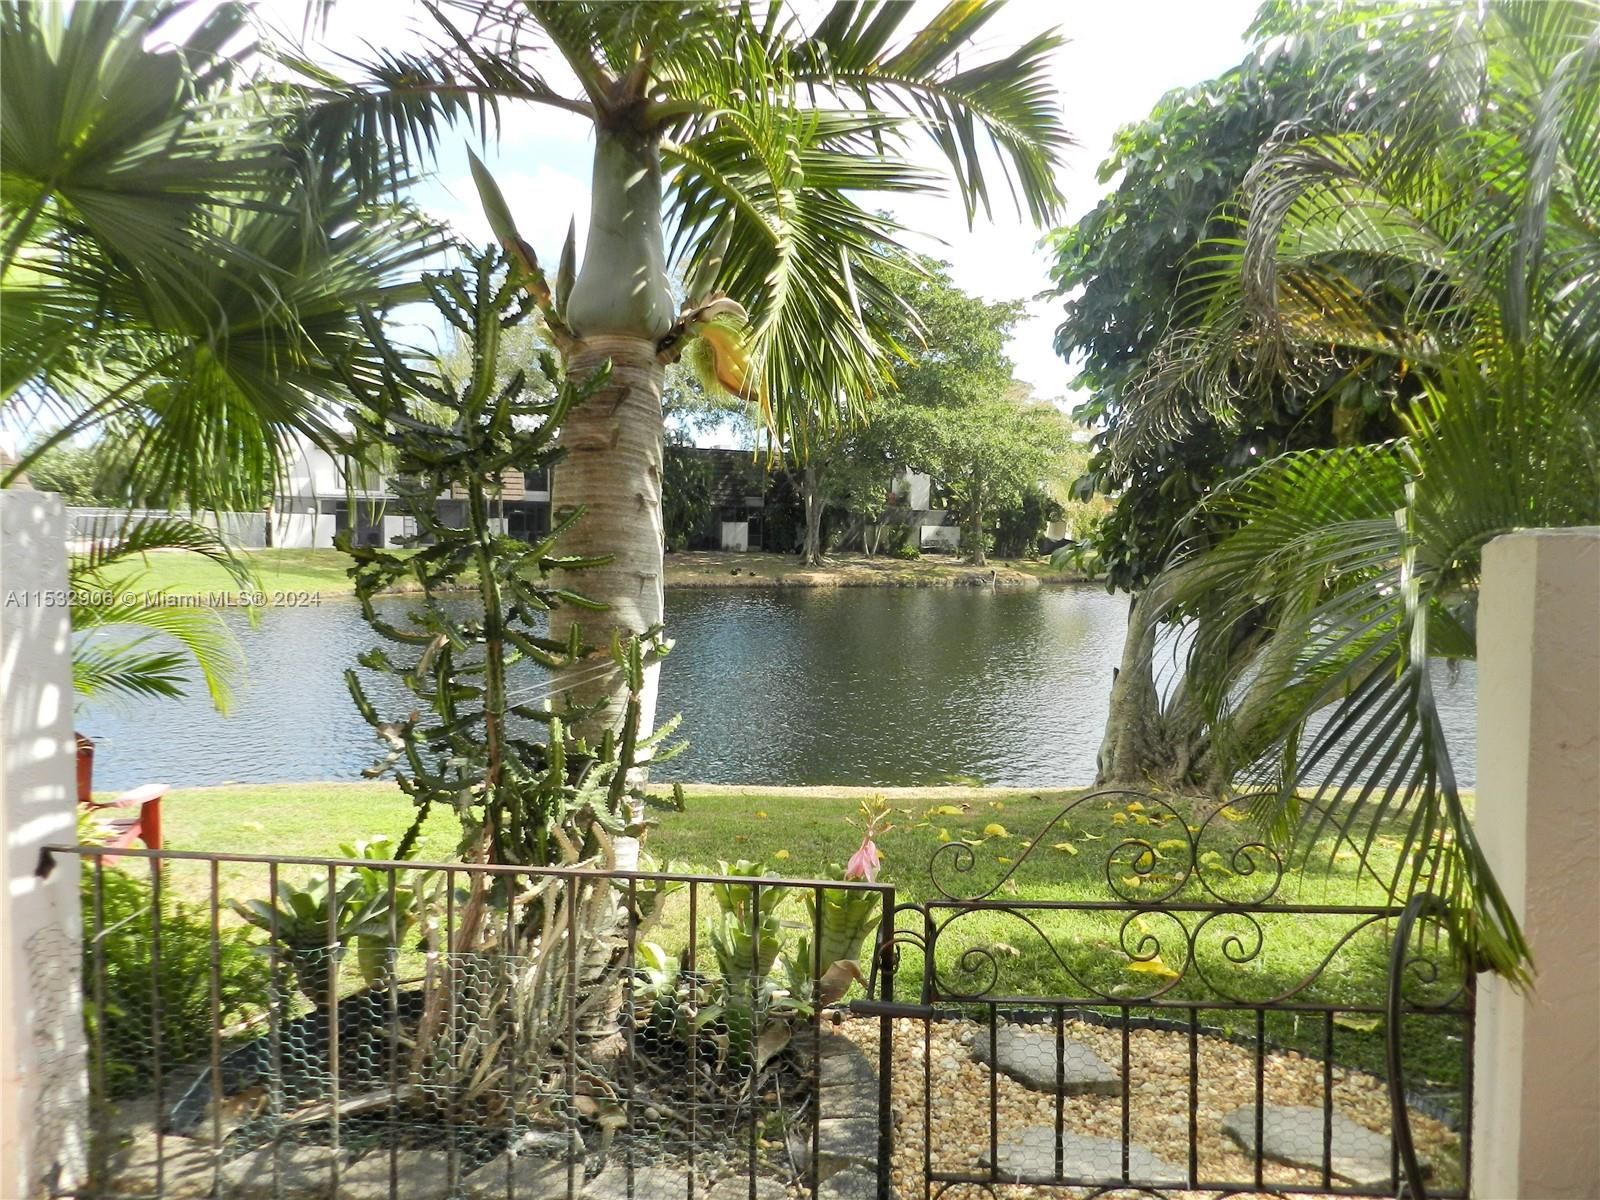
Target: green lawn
(800, 833)
(279, 571)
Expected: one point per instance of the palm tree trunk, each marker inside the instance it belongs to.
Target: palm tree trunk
(620, 308)
(612, 470)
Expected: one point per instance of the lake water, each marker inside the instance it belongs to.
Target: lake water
(847, 686)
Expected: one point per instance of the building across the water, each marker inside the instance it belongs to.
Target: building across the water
(321, 499)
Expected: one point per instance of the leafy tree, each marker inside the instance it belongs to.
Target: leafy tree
(75, 473)
(985, 454)
(754, 140)
(1129, 269)
(686, 495)
(956, 414)
(1021, 525)
(1463, 179)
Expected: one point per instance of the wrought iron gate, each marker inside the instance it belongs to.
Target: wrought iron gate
(1197, 1023)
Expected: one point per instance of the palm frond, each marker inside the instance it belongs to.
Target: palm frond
(1005, 109)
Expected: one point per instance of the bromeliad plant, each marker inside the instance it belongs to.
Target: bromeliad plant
(848, 916)
(364, 911)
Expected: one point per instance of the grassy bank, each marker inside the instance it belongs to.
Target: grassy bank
(803, 833)
(294, 576)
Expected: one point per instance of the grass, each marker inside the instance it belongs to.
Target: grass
(282, 574)
(801, 833)
(294, 576)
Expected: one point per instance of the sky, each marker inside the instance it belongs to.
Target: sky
(1121, 56)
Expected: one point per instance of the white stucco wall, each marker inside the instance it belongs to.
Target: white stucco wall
(1537, 1110)
(43, 1075)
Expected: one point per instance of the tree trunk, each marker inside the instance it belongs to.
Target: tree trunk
(1149, 740)
(612, 470)
(810, 493)
(975, 552)
(1131, 745)
(620, 308)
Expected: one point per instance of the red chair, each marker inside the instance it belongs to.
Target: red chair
(142, 824)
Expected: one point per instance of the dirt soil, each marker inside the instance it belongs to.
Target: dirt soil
(706, 568)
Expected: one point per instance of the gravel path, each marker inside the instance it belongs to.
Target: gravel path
(1159, 1104)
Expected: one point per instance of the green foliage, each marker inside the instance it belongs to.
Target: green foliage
(957, 414)
(86, 475)
(906, 551)
(1123, 269)
(1430, 222)
(121, 975)
(1021, 525)
(176, 269)
(686, 495)
(772, 139)
(986, 454)
(467, 744)
(314, 927)
(126, 642)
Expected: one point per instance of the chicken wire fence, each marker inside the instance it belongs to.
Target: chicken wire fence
(264, 1026)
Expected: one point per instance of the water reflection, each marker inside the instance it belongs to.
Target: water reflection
(849, 686)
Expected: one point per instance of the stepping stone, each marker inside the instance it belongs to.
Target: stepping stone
(533, 1177)
(1030, 1157)
(842, 1143)
(1029, 1057)
(649, 1183)
(1292, 1134)
(857, 1183)
(303, 1171)
(849, 1070)
(420, 1175)
(737, 1187)
(848, 1100)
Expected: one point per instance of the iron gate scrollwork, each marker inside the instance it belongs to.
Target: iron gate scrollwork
(1186, 1019)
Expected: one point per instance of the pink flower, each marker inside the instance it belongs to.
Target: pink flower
(864, 863)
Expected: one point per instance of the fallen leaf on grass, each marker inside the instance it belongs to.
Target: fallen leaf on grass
(1359, 1024)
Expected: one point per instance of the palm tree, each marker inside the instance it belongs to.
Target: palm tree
(736, 144)
(1454, 236)
(177, 269)
(129, 643)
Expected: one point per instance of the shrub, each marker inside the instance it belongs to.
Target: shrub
(906, 551)
(122, 1022)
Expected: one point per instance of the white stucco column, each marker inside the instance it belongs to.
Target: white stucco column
(44, 1101)
(1537, 1110)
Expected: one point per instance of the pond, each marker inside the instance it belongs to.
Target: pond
(829, 686)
